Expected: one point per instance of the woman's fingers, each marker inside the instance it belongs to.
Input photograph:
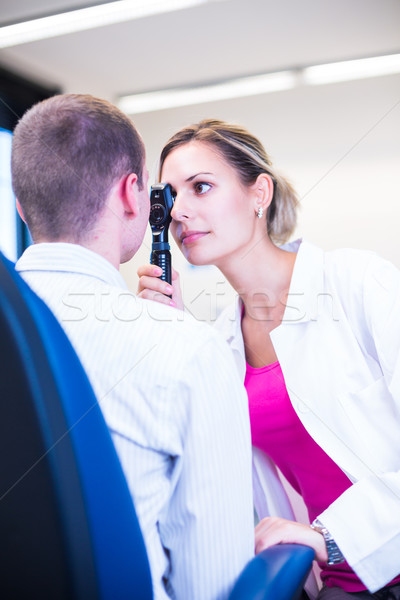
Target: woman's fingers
(150, 270)
(177, 292)
(151, 287)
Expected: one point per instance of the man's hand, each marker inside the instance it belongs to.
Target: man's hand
(274, 530)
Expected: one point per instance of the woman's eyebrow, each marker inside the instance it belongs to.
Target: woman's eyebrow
(196, 175)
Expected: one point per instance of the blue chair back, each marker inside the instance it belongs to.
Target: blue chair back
(277, 573)
(67, 521)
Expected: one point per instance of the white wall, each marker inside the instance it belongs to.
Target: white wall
(339, 144)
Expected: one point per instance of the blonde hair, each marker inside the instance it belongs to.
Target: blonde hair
(247, 156)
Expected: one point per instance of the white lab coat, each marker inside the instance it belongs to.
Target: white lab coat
(339, 349)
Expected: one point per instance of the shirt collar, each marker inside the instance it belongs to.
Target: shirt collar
(69, 258)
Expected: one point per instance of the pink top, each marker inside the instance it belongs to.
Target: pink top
(277, 430)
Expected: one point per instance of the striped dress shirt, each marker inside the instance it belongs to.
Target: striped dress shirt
(177, 412)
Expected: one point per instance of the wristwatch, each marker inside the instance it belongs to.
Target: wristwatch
(335, 557)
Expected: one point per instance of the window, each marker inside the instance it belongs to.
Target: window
(8, 212)
(17, 94)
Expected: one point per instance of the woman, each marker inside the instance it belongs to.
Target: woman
(316, 336)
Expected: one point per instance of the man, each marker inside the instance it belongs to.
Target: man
(168, 388)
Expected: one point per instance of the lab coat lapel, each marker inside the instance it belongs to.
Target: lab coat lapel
(307, 363)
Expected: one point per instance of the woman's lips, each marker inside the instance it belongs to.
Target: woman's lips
(189, 237)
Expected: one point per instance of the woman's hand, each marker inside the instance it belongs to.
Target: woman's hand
(152, 288)
(274, 530)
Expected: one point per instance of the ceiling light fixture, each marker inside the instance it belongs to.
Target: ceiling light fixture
(235, 88)
(260, 84)
(88, 18)
(352, 69)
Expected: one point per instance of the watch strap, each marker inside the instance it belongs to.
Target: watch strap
(335, 556)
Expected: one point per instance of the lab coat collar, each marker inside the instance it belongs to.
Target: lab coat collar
(307, 284)
(303, 302)
(306, 288)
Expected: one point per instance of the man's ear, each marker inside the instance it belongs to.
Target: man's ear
(20, 211)
(129, 196)
(263, 189)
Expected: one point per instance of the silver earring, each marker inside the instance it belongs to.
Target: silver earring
(260, 212)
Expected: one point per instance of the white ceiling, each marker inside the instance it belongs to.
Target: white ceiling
(202, 44)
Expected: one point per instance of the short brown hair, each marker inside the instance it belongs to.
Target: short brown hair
(246, 154)
(68, 152)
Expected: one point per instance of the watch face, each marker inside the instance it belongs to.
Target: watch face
(317, 525)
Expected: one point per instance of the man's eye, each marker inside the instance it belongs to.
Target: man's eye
(201, 187)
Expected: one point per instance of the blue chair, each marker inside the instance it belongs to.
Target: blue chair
(68, 527)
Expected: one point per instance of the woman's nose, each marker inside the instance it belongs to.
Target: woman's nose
(180, 210)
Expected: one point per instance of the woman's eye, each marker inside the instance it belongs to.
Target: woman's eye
(201, 187)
